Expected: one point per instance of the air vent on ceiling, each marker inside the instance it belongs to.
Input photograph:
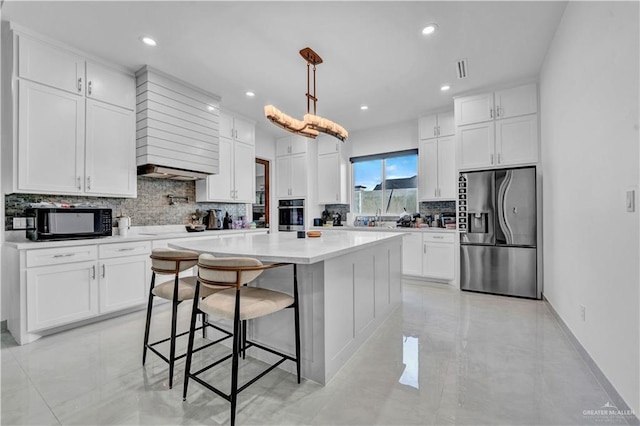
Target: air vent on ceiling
(461, 68)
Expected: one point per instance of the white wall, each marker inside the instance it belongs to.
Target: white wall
(589, 131)
(395, 137)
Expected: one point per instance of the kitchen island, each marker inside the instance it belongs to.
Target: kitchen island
(348, 283)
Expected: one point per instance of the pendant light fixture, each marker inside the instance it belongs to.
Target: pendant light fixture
(312, 124)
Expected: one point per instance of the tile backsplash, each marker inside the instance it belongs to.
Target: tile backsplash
(151, 207)
(429, 208)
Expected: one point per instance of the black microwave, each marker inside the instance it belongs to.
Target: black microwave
(67, 223)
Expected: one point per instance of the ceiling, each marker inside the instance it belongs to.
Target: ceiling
(374, 52)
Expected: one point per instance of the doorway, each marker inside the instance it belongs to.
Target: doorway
(261, 205)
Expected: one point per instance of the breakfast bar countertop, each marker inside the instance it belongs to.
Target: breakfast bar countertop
(286, 247)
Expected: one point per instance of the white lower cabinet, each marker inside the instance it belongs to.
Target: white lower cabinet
(439, 255)
(412, 254)
(429, 255)
(124, 270)
(61, 294)
(69, 284)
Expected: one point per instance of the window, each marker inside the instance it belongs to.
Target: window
(386, 183)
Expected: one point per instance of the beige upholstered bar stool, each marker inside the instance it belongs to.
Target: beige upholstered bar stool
(166, 261)
(238, 303)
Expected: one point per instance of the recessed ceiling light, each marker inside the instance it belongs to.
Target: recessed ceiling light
(429, 29)
(364, 107)
(250, 94)
(445, 88)
(148, 41)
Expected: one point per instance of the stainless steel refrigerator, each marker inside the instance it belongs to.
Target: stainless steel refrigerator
(498, 232)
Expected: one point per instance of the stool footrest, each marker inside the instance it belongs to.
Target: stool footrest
(150, 346)
(194, 375)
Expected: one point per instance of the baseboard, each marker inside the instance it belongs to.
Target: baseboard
(614, 396)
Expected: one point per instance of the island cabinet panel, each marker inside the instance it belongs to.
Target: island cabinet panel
(364, 292)
(339, 306)
(382, 284)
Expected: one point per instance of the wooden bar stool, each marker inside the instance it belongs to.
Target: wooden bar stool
(166, 261)
(238, 303)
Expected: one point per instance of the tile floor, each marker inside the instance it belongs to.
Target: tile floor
(444, 357)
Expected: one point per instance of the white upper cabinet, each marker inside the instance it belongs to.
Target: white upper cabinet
(237, 128)
(292, 167)
(474, 109)
(235, 180)
(50, 65)
(437, 169)
(111, 86)
(516, 101)
(50, 146)
(70, 141)
(436, 125)
(507, 135)
(516, 140)
(332, 176)
(293, 144)
(110, 157)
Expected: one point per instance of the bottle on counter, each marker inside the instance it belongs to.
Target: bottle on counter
(226, 222)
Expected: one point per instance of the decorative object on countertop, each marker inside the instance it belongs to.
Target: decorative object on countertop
(314, 234)
(312, 123)
(124, 224)
(195, 228)
(226, 223)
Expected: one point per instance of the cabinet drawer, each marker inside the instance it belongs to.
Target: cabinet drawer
(438, 237)
(59, 255)
(108, 251)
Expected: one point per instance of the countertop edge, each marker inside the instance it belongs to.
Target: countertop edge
(132, 238)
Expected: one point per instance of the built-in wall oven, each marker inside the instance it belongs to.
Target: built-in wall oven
(291, 215)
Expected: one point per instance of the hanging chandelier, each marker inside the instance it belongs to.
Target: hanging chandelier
(312, 124)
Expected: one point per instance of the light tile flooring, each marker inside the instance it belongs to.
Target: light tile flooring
(443, 357)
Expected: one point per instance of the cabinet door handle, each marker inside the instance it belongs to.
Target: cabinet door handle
(438, 130)
(437, 237)
(104, 272)
(64, 255)
(435, 192)
(88, 182)
(79, 183)
(424, 249)
(93, 272)
(126, 249)
(491, 112)
(434, 131)
(90, 87)
(80, 85)
(491, 158)
(498, 158)
(497, 111)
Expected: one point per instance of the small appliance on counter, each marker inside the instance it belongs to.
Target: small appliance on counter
(213, 219)
(52, 223)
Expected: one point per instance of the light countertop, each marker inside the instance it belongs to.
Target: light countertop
(16, 239)
(287, 247)
(384, 229)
